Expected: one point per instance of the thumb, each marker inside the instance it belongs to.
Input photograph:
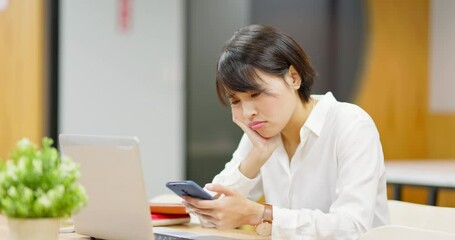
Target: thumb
(220, 189)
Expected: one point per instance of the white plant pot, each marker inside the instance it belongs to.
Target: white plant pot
(33, 228)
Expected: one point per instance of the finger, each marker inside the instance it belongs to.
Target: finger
(185, 200)
(205, 216)
(201, 204)
(209, 219)
(190, 210)
(220, 189)
(205, 212)
(216, 222)
(189, 206)
(218, 195)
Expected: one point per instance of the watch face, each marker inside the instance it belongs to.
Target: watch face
(264, 229)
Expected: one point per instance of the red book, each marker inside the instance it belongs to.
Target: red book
(160, 219)
(163, 214)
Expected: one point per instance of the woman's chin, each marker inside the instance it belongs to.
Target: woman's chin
(266, 134)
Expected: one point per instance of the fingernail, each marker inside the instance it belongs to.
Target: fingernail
(209, 186)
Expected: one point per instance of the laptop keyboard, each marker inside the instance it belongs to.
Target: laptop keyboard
(159, 236)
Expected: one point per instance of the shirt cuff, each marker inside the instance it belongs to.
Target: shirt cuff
(288, 224)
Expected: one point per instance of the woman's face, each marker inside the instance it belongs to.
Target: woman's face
(269, 111)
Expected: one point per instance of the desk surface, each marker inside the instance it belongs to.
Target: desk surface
(232, 233)
(432, 173)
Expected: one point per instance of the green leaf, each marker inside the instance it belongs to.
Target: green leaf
(39, 183)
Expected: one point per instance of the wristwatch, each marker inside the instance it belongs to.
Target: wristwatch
(265, 227)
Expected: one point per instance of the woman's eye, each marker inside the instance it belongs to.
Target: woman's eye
(253, 95)
(234, 102)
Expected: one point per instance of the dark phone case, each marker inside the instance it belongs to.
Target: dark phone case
(188, 188)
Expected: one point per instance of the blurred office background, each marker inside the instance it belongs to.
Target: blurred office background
(147, 68)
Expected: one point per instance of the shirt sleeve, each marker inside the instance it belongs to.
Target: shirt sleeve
(360, 166)
(231, 176)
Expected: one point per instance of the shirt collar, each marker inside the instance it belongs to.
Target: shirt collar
(318, 115)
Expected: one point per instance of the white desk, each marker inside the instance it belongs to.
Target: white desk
(433, 174)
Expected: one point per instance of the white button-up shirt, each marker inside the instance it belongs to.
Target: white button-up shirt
(334, 187)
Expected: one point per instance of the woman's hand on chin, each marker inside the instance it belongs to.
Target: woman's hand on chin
(264, 146)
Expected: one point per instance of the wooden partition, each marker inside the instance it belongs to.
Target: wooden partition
(21, 73)
(395, 86)
(395, 81)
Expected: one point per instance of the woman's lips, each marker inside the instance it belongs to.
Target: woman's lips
(256, 125)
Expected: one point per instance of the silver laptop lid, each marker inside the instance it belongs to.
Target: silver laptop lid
(112, 174)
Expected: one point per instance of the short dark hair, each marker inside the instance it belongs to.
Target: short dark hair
(259, 47)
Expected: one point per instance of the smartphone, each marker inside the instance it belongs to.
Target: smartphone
(189, 188)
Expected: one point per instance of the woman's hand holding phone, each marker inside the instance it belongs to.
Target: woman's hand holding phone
(230, 211)
(191, 190)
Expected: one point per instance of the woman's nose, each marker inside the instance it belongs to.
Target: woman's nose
(249, 110)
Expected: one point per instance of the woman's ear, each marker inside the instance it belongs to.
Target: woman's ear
(295, 78)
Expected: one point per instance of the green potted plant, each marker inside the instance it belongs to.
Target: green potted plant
(37, 188)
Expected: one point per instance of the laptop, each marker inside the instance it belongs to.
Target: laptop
(111, 172)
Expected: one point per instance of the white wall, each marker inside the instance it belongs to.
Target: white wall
(442, 56)
(126, 83)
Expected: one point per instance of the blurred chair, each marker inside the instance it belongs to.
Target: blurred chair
(395, 232)
(422, 216)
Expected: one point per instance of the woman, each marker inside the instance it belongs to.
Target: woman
(318, 162)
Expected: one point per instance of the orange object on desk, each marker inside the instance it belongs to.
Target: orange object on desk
(167, 208)
(164, 214)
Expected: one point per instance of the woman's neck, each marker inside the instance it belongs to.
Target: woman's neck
(291, 133)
